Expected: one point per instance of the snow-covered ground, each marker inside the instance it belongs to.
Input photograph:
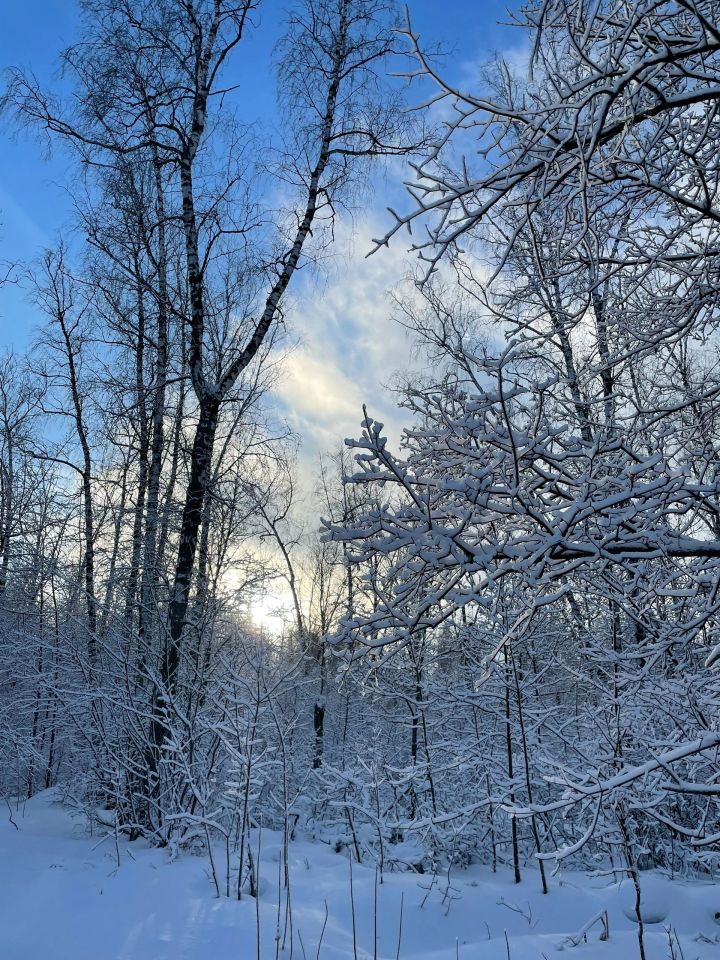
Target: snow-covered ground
(63, 897)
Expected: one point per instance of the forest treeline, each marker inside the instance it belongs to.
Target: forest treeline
(502, 643)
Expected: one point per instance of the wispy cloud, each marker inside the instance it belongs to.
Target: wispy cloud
(350, 348)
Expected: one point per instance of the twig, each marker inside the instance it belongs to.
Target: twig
(352, 908)
(322, 932)
(402, 901)
(375, 904)
(7, 802)
(257, 892)
(602, 917)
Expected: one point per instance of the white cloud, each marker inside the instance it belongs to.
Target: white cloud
(350, 347)
(318, 395)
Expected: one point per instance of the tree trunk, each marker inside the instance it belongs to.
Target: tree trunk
(200, 468)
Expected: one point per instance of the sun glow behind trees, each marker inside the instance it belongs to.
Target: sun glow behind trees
(272, 613)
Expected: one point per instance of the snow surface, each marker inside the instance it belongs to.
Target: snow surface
(63, 897)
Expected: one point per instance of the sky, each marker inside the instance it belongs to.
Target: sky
(348, 347)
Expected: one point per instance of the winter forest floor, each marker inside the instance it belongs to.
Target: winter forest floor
(63, 897)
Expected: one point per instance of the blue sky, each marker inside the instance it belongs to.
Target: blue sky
(340, 351)
(34, 205)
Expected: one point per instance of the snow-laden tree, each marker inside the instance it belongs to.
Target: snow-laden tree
(194, 225)
(565, 454)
